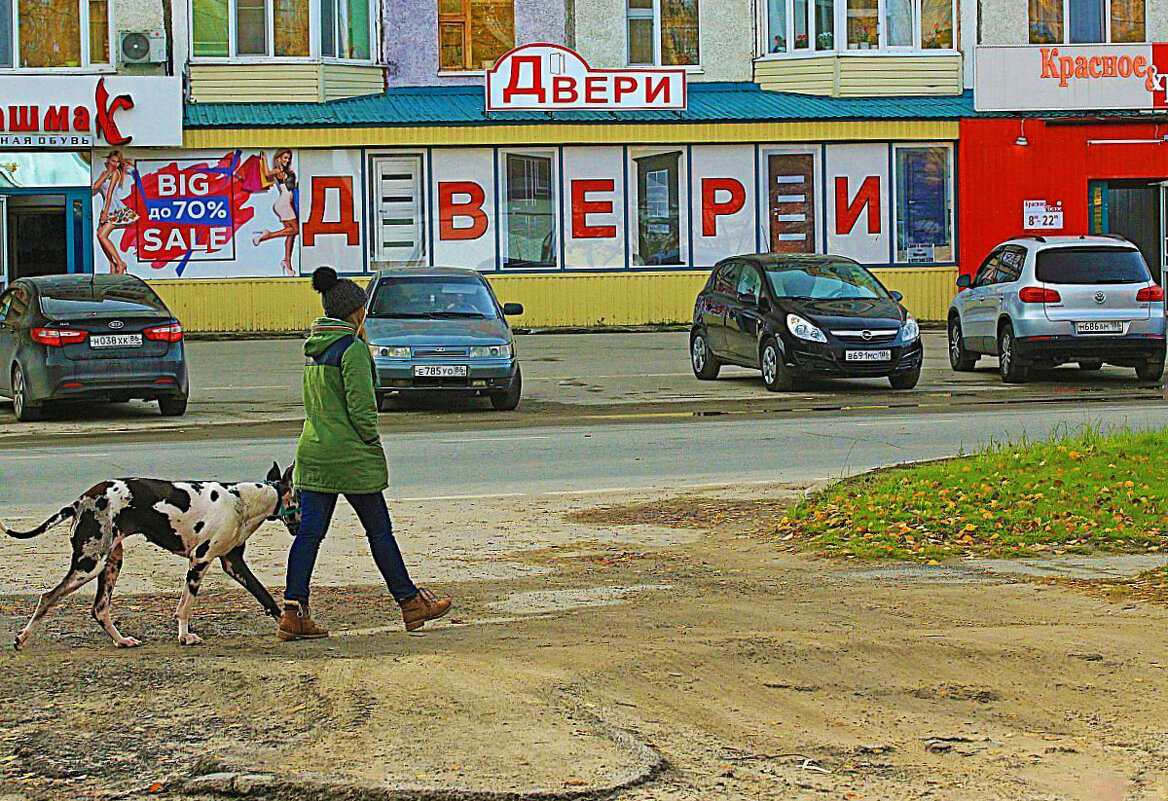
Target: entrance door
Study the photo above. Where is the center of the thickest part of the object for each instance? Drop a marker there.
(791, 189)
(38, 233)
(397, 197)
(1134, 212)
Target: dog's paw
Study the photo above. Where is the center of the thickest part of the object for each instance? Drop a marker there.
(127, 642)
(190, 638)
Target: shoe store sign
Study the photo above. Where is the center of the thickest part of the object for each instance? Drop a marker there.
(1072, 77)
(71, 111)
(549, 77)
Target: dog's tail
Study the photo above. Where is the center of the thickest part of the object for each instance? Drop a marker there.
(67, 513)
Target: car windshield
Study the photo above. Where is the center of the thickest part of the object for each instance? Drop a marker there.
(1091, 266)
(87, 297)
(432, 297)
(824, 281)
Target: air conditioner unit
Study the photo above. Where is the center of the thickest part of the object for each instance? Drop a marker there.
(142, 47)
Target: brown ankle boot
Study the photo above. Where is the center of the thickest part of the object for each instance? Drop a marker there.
(422, 607)
(296, 624)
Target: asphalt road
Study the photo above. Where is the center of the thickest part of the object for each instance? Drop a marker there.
(494, 462)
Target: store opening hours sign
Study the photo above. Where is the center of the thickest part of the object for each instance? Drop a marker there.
(1072, 77)
(550, 77)
(1042, 215)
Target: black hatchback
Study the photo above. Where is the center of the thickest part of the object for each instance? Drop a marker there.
(794, 315)
(86, 337)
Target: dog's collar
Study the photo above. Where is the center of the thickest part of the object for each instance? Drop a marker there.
(281, 510)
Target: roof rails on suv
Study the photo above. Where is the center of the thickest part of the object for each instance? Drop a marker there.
(1116, 237)
(1035, 237)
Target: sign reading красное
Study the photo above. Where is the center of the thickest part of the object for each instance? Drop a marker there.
(550, 77)
(81, 111)
(1072, 77)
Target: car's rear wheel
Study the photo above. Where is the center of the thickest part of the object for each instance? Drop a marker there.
(22, 404)
(1152, 371)
(1011, 366)
(705, 364)
(775, 374)
(961, 360)
(383, 401)
(1090, 366)
(172, 406)
(508, 401)
(905, 380)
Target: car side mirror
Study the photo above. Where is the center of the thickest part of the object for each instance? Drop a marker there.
(512, 309)
(896, 296)
(964, 281)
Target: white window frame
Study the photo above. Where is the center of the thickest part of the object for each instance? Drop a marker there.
(839, 40)
(314, 36)
(655, 14)
(894, 200)
(1106, 23)
(83, 21)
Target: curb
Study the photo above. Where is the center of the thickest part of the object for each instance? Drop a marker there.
(266, 787)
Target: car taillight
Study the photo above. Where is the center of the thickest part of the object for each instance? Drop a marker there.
(57, 337)
(1038, 294)
(164, 333)
(1150, 294)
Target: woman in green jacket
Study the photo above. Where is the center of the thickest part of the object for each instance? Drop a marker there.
(339, 452)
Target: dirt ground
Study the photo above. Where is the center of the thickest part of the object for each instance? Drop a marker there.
(613, 639)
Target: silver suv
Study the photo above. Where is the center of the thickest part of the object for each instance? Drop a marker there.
(1040, 302)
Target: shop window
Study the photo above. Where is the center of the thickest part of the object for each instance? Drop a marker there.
(473, 34)
(800, 25)
(1087, 21)
(529, 211)
(281, 29)
(924, 208)
(658, 210)
(37, 34)
(399, 233)
(663, 32)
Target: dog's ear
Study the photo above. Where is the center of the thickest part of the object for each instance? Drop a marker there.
(274, 473)
(287, 478)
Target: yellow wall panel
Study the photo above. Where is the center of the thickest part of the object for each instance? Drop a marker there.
(853, 75)
(550, 301)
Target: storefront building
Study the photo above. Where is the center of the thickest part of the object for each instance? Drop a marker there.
(1072, 134)
(76, 73)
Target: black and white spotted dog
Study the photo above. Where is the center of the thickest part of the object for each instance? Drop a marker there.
(200, 520)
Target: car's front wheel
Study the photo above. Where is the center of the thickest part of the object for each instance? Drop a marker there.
(172, 406)
(1011, 366)
(775, 374)
(960, 359)
(705, 364)
(22, 403)
(1152, 371)
(508, 401)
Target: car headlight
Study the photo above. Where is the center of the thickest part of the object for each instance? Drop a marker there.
(804, 330)
(910, 330)
(491, 352)
(389, 352)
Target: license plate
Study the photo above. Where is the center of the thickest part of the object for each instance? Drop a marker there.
(868, 356)
(1099, 327)
(115, 341)
(440, 371)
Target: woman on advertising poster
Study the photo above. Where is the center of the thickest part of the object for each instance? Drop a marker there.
(109, 184)
(284, 178)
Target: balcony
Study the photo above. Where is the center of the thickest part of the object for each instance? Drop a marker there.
(862, 73)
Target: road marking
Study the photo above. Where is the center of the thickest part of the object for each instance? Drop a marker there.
(491, 439)
(606, 490)
(242, 388)
(47, 456)
(615, 375)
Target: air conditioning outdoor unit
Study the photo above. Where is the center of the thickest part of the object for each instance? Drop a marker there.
(142, 47)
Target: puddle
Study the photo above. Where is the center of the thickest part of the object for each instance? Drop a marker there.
(543, 601)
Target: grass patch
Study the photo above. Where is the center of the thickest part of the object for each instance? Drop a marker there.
(1078, 493)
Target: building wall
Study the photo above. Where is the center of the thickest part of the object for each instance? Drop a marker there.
(411, 38)
(726, 28)
(1007, 22)
(997, 175)
(862, 76)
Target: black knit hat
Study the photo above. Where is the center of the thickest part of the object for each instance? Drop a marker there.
(340, 296)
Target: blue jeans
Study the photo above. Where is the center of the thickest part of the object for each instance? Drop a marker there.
(316, 512)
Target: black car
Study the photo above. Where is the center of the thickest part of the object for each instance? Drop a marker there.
(87, 337)
(794, 315)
